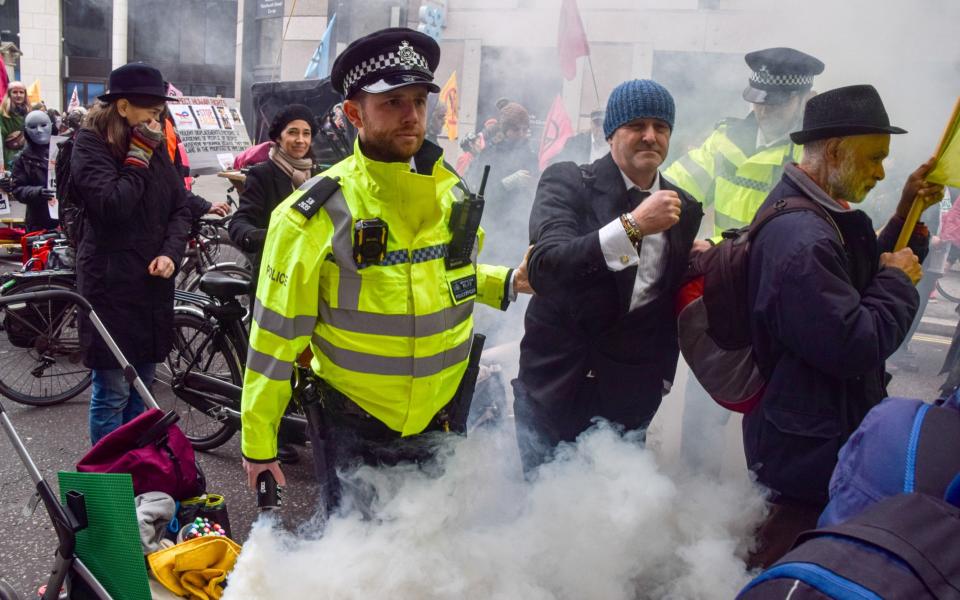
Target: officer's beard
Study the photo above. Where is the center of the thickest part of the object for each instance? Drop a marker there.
(388, 146)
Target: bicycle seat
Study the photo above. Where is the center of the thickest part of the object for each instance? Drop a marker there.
(223, 286)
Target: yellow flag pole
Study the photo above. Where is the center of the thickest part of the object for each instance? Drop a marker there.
(917, 207)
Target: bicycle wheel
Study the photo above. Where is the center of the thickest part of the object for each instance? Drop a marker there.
(41, 361)
(218, 358)
(7, 592)
(948, 286)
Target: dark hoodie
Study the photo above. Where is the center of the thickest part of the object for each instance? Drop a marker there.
(29, 180)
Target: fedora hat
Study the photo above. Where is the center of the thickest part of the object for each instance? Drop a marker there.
(846, 111)
(136, 79)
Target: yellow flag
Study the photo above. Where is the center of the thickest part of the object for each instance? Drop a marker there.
(33, 92)
(450, 96)
(947, 169)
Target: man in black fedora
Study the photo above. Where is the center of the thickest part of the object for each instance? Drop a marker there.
(829, 304)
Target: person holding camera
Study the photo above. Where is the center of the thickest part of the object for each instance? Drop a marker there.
(134, 232)
(30, 174)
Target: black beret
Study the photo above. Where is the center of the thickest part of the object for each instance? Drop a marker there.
(777, 73)
(291, 112)
(385, 60)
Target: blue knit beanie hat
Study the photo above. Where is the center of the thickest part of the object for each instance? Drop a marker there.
(640, 98)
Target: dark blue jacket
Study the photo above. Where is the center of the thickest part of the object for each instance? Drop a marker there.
(824, 318)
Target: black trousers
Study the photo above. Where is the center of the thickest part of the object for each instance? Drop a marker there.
(345, 437)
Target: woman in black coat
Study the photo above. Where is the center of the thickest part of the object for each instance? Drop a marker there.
(134, 233)
(269, 182)
(30, 173)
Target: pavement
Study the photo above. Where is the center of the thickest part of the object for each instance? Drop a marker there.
(57, 437)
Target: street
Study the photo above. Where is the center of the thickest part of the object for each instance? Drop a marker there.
(57, 437)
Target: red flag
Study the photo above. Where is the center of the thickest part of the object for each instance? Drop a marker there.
(4, 79)
(556, 131)
(572, 41)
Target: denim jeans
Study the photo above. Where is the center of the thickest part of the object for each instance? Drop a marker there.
(114, 401)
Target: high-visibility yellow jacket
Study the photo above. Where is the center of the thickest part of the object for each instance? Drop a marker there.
(393, 337)
(729, 171)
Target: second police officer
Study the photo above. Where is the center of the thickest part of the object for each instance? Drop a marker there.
(354, 268)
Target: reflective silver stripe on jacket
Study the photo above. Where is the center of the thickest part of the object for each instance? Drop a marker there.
(348, 291)
(698, 173)
(393, 365)
(286, 327)
(396, 325)
(268, 366)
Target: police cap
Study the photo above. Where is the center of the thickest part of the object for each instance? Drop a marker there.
(385, 60)
(778, 73)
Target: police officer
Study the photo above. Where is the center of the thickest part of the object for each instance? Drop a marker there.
(741, 161)
(354, 268)
(735, 169)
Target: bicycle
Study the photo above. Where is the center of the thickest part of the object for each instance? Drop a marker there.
(205, 368)
(40, 348)
(209, 249)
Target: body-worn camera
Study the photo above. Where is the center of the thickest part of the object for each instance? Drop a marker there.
(370, 241)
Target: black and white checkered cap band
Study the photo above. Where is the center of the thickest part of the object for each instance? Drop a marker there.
(765, 78)
(390, 60)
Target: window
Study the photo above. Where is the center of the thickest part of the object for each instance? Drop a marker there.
(86, 28)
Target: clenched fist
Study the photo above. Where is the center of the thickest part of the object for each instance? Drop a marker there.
(659, 212)
(906, 261)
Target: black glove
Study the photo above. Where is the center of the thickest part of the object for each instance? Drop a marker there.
(47, 193)
(6, 182)
(253, 240)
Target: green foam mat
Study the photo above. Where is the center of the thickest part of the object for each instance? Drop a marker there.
(110, 545)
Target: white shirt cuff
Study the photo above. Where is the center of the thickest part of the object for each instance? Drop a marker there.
(511, 289)
(618, 251)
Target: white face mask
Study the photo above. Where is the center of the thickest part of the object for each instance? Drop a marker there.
(38, 128)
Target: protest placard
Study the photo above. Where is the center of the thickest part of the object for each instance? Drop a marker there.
(209, 128)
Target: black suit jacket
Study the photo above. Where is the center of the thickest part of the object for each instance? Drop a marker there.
(579, 321)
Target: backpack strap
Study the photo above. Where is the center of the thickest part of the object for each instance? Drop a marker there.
(919, 529)
(791, 204)
(317, 191)
(936, 449)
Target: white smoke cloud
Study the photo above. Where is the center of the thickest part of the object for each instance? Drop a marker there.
(603, 521)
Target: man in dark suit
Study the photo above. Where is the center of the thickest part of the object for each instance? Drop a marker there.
(611, 243)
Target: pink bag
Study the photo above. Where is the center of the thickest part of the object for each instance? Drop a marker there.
(155, 453)
(252, 155)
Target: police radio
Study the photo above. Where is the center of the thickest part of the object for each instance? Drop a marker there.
(464, 222)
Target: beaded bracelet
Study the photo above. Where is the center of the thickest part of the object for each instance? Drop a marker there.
(632, 229)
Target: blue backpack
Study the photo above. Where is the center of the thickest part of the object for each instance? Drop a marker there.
(905, 546)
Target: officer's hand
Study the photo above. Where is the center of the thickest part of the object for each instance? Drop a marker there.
(917, 186)
(161, 266)
(254, 469)
(521, 281)
(221, 209)
(47, 193)
(699, 246)
(659, 212)
(906, 261)
(6, 182)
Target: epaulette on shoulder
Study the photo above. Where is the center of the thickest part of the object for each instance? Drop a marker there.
(316, 192)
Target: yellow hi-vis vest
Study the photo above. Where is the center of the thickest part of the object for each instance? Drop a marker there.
(736, 181)
(393, 337)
